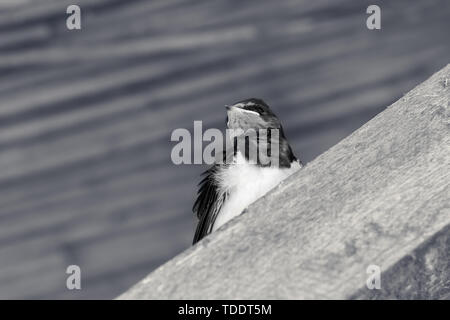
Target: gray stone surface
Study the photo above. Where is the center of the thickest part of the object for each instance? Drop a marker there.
(423, 274)
(380, 196)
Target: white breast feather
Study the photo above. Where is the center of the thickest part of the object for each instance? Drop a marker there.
(245, 183)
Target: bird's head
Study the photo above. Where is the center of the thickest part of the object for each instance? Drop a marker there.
(251, 114)
(255, 115)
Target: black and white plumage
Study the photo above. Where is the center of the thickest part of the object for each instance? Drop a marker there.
(229, 187)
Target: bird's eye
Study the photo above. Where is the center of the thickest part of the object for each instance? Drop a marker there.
(258, 109)
(254, 108)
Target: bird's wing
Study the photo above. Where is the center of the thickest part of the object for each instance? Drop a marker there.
(210, 196)
(208, 204)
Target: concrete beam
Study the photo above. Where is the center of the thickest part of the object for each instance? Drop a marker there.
(379, 197)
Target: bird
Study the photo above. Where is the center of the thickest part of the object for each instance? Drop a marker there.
(230, 186)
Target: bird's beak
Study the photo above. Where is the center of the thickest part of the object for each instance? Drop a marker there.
(234, 106)
(240, 107)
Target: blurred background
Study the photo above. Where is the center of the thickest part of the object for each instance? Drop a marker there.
(86, 116)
